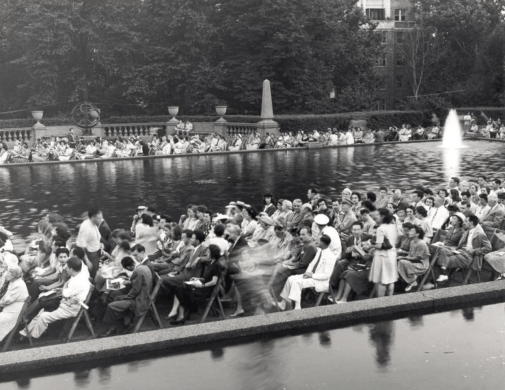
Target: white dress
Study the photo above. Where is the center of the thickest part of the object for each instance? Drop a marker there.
(12, 303)
(384, 269)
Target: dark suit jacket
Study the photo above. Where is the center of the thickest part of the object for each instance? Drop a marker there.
(194, 267)
(480, 244)
(142, 285)
(350, 242)
(236, 251)
(306, 255)
(184, 258)
(150, 265)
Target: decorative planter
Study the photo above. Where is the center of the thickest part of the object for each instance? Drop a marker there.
(37, 115)
(221, 111)
(173, 110)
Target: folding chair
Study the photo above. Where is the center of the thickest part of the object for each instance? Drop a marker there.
(82, 311)
(429, 271)
(497, 243)
(214, 296)
(322, 294)
(152, 305)
(21, 320)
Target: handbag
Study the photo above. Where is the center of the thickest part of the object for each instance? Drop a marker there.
(386, 245)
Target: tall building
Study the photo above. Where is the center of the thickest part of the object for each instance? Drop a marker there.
(394, 18)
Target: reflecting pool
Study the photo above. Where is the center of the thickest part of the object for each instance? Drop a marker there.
(463, 349)
(169, 184)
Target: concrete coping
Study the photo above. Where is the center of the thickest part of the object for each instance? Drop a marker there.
(185, 337)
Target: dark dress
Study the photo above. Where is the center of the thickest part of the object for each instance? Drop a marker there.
(189, 296)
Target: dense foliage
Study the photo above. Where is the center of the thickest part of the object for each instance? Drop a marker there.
(145, 55)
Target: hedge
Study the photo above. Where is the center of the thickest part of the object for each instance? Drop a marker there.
(376, 119)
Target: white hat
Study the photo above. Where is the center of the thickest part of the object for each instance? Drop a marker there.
(321, 219)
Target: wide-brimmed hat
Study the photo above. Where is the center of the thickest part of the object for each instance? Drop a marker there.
(347, 201)
(461, 216)
(267, 220)
(141, 208)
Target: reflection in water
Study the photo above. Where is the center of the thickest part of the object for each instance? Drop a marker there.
(81, 378)
(382, 337)
(217, 353)
(104, 375)
(416, 321)
(325, 339)
(23, 383)
(452, 163)
(468, 313)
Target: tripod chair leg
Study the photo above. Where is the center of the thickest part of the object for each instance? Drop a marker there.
(319, 299)
(74, 325)
(275, 300)
(139, 323)
(157, 316)
(221, 307)
(89, 324)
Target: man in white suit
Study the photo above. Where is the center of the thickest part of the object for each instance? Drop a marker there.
(317, 275)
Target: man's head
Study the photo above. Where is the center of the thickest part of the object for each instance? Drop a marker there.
(95, 216)
(364, 214)
(280, 231)
(371, 196)
(417, 196)
(496, 184)
(186, 236)
(501, 197)
(297, 205)
(311, 193)
(492, 200)
(357, 229)
(452, 209)
(322, 205)
(454, 182)
(397, 194)
(335, 205)
(346, 205)
(198, 237)
(324, 242)
(471, 221)
(305, 235)
(74, 266)
(482, 180)
(128, 263)
(465, 196)
(321, 220)
(139, 252)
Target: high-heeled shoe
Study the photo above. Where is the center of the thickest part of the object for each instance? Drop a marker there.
(178, 322)
(170, 318)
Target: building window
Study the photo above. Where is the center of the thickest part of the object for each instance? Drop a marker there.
(399, 37)
(379, 105)
(376, 13)
(400, 15)
(399, 81)
(381, 60)
(399, 59)
(384, 36)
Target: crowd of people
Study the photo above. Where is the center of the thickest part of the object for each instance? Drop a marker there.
(184, 141)
(261, 258)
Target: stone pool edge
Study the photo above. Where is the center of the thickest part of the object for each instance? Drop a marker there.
(199, 334)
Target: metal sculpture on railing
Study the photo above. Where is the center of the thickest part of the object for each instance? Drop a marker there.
(86, 116)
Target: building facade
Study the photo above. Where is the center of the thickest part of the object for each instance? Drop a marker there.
(394, 18)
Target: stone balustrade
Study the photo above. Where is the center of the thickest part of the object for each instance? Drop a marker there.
(129, 129)
(10, 136)
(240, 128)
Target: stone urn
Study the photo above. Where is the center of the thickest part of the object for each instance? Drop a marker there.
(173, 110)
(221, 111)
(37, 115)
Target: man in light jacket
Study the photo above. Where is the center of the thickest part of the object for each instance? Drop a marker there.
(317, 275)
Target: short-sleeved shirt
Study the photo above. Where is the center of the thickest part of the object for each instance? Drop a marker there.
(211, 270)
(420, 249)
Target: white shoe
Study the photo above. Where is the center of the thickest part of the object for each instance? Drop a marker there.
(341, 301)
(331, 299)
(442, 278)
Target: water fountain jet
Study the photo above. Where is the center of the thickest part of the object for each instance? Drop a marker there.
(453, 138)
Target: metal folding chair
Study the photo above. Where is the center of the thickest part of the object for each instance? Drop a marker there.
(429, 271)
(82, 312)
(152, 306)
(214, 297)
(22, 320)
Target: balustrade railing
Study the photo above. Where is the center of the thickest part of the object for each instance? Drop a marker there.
(240, 128)
(129, 129)
(10, 136)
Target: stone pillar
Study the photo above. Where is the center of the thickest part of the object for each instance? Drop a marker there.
(267, 124)
(220, 128)
(39, 132)
(98, 131)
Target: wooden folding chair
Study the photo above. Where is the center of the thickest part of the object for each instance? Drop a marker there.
(430, 271)
(214, 296)
(322, 294)
(87, 319)
(22, 320)
(152, 305)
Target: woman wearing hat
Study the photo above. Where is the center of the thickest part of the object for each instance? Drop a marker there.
(454, 232)
(13, 294)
